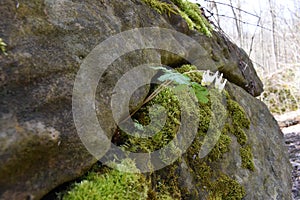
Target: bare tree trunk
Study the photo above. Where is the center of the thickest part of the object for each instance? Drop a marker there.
(213, 6)
(237, 23)
(285, 49)
(274, 28)
(262, 42)
(239, 14)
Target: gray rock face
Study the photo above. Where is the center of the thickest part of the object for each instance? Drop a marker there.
(271, 178)
(47, 42)
(292, 140)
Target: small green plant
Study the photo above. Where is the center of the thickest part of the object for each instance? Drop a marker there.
(182, 82)
(3, 46)
(182, 79)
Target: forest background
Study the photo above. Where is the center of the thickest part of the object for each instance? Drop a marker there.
(269, 31)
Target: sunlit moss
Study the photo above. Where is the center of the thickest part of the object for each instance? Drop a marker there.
(3, 46)
(113, 184)
(193, 16)
(190, 12)
(161, 7)
(186, 68)
(210, 115)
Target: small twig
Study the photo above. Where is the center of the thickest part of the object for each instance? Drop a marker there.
(226, 4)
(192, 71)
(149, 98)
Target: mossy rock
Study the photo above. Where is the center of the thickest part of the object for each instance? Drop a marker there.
(190, 12)
(209, 181)
(37, 79)
(219, 175)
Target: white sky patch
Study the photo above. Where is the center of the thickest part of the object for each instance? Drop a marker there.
(261, 8)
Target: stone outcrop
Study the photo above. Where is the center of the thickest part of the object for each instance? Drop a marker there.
(47, 42)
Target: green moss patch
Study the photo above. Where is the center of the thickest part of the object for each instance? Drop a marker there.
(3, 46)
(169, 102)
(110, 184)
(211, 182)
(161, 7)
(247, 157)
(190, 12)
(214, 183)
(193, 16)
(225, 188)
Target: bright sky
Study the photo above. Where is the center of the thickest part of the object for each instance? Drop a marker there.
(256, 7)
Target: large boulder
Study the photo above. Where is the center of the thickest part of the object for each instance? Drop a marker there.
(47, 42)
(271, 178)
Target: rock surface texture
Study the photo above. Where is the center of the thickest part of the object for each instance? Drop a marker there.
(292, 140)
(272, 167)
(48, 41)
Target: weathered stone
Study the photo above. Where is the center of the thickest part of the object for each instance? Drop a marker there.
(271, 178)
(47, 42)
(292, 140)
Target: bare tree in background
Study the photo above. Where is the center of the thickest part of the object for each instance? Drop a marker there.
(237, 18)
(274, 29)
(275, 43)
(213, 6)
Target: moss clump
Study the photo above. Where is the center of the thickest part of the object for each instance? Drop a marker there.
(167, 183)
(113, 184)
(239, 117)
(239, 122)
(219, 186)
(220, 148)
(193, 16)
(225, 188)
(186, 68)
(240, 135)
(190, 12)
(170, 103)
(214, 182)
(247, 157)
(192, 72)
(3, 46)
(161, 7)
